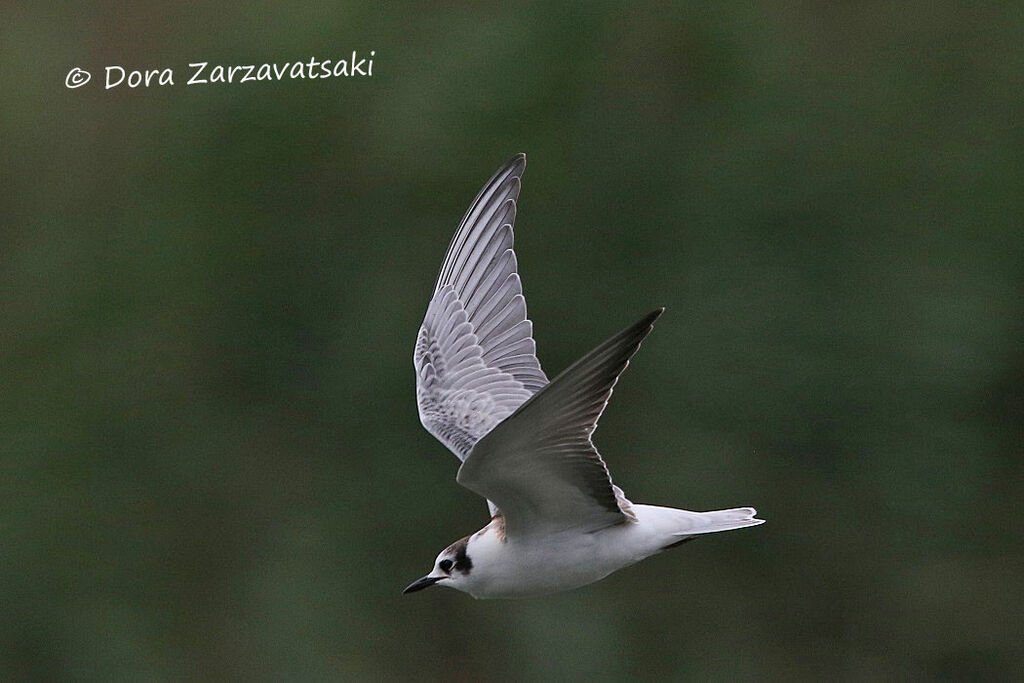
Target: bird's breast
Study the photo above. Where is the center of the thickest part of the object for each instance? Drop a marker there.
(547, 565)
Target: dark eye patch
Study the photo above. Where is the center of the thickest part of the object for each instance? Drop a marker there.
(445, 565)
(462, 561)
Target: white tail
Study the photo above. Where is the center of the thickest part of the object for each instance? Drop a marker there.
(717, 520)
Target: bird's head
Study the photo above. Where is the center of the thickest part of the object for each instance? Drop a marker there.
(451, 568)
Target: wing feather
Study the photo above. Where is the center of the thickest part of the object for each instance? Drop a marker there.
(475, 356)
(540, 466)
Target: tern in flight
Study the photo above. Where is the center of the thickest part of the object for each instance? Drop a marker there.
(557, 520)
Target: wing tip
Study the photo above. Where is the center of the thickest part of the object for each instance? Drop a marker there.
(647, 322)
(517, 164)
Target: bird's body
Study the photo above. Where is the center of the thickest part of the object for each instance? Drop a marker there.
(524, 442)
(505, 567)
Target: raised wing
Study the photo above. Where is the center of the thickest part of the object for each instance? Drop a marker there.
(475, 356)
(540, 466)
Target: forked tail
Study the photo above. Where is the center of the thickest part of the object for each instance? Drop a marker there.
(717, 520)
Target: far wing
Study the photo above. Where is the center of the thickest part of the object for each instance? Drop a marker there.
(475, 356)
(540, 466)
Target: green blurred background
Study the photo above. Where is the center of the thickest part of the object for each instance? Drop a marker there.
(212, 466)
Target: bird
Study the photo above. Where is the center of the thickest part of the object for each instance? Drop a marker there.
(557, 520)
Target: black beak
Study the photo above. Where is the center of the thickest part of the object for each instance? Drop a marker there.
(420, 584)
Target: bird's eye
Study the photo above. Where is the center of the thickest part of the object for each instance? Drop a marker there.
(445, 565)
